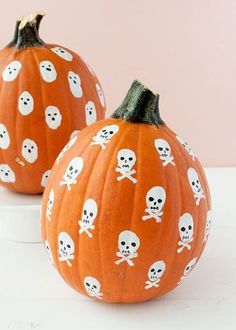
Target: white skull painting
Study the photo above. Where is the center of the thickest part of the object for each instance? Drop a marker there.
(53, 117)
(25, 103)
(48, 71)
(75, 84)
(100, 95)
(104, 135)
(67, 147)
(4, 137)
(29, 150)
(188, 269)
(50, 203)
(73, 170)
(90, 113)
(186, 227)
(155, 200)
(126, 160)
(62, 53)
(155, 273)
(48, 250)
(208, 225)
(128, 245)
(74, 134)
(195, 184)
(164, 151)
(186, 146)
(11, 71)
(6, 174)
(89, 214)
(66, 248)
(45, 178)
(93, 287)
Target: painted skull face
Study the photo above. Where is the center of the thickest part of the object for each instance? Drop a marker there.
(67, 147)
(107, 132)
(189, 267)
(126, 159)
(208, 224)
(66, 245)
(89, 212)
(49, 251)
(62, 53)
(91, 285)
(6, 174)
(29, 150)
(50, 200)
(194, 181)
(75, 84)
(4, 137)
(11, 71)
(53, 117)
(163, 148)
(74, 168)
(100, 95)
(155, 199)
(48, 71)
(186, 146)
(90, 113)
(156, 270)
(25, 103)
(186, 227)
(45, 178)
(128, 242)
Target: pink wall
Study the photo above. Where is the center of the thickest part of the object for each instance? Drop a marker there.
(185, 50)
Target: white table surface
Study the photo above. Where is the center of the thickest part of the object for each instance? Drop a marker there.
(33, 296)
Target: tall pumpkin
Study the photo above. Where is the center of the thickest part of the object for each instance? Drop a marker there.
(126, 213)
(48, 93)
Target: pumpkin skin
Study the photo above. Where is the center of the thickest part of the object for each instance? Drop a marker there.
(94, 261)
(40, 109)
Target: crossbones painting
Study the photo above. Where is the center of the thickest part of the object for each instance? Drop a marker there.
(73, 170)
(155, 273)
(89, 214)
(104, 135)
(186, 146)
(155, 200)
(188, 269)
(186, 227)
(126, 159)
(50, 204)
(93, 287)
(195, 184)
(128, 245)
(164, 151)
(208, 225)
(66, 248)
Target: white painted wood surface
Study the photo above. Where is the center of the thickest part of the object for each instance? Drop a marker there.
(33, 296)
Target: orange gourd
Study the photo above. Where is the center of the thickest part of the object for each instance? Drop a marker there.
(127, 211)
(47, 94)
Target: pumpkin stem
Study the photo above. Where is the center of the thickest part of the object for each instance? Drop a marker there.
(140, 105)
(26, 32)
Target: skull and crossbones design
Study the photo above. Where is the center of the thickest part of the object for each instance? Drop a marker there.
(73, 170)
(155, 273)
(208, 225)
(67, 147)
(104, 135)
(126, 160)
(66, 248)
(155, 200)
(49, 251)
(164, 151)
(93, 287)
(186, 227)
(89, 214)
(128, 245)
(195, 184)
(186, 146)
(50, 203)
(188, 269)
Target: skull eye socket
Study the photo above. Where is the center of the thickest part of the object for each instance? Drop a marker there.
(159, 200)
(151, 199)
(111, 132)
(193, 183)
(68, 245)
(122, 158)
(167, 149)
(189, 227)
(103, 130)
(182, 229)
(133, 244)
(76, 171)
(71, 168)
(87, 284)
(159, 270)
(95, 287)
(130, 158)
(122, 243)
(91, 214)
(187, 268)
(197, 181)
(152, 270)
(160, 148)
(85, 212)
(61, 242)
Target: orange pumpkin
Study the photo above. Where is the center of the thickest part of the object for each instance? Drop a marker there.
(126, 213)
(47, 94)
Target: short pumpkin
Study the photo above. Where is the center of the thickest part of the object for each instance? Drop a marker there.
(127, 212)
(48, 93)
